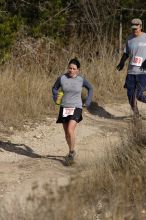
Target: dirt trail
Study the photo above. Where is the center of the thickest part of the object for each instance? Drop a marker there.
(37, 153)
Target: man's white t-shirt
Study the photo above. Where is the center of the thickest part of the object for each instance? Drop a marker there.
(136, 49)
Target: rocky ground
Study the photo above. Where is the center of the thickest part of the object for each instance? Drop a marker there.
(35, 154)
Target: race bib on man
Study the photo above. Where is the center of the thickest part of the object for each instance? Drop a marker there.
(136, 61)
(68, 111)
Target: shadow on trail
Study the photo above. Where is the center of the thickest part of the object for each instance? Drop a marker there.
(95, 109)
(24, 150)
(56, 158)
(21, 149)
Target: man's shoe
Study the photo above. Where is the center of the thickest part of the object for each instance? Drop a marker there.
(137, 115)
(136, 112)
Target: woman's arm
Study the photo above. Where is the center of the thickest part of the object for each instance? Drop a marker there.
(88, 86)
(55, 88)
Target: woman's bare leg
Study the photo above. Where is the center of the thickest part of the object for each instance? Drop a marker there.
(69, 129)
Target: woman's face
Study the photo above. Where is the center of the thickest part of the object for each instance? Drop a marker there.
(73, 70)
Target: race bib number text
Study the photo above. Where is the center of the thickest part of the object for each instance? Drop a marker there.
(68, 111)
(136, 61)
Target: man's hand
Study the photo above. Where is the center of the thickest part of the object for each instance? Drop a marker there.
(143, 66)
(120, 66)
(122, 62)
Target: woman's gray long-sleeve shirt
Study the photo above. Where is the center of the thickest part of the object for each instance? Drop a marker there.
(72, 89)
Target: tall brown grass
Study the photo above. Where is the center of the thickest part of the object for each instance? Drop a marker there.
(26, 79)
(26, 82)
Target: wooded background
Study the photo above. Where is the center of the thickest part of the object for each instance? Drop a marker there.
(61, 20)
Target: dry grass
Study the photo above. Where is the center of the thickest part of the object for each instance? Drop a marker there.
(111, 188)
(26, 80)
(22, 96)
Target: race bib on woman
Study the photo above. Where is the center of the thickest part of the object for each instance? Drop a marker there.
(136, 61)
(68, 111)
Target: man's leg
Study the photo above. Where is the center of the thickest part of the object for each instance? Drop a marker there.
(130, 85)
(140, 88)
(131, 93)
